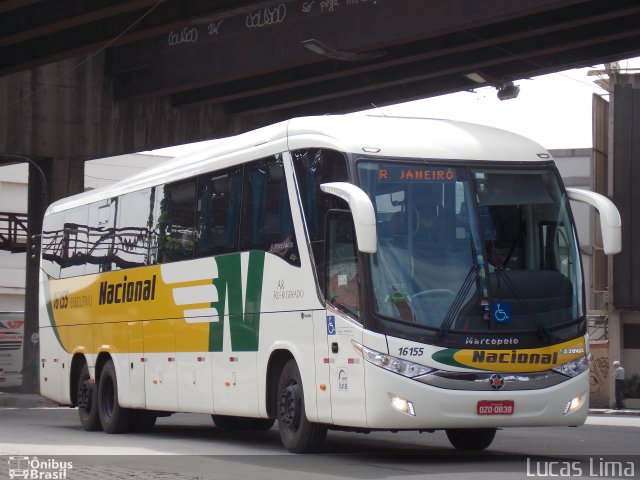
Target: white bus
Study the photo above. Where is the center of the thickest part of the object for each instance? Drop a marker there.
(340, 272)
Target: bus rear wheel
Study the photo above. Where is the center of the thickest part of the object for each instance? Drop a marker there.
(113, 418)
(298, 435)
(471, 438)
(88, 401)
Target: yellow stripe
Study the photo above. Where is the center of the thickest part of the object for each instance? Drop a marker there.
(89, 322)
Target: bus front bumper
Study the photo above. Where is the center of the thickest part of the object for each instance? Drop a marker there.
(397, 402)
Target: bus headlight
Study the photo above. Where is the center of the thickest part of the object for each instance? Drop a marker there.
(393, 364)
(402, 405)
(574, 404)
(574, 368)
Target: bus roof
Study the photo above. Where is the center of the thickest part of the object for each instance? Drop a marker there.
(370, 133)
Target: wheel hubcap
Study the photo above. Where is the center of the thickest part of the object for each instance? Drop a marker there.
(290, 405)
(84, 395)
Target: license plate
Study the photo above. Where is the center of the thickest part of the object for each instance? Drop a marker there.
(495, 407)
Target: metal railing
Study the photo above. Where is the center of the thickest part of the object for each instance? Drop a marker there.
(13, 232)
(598, 325)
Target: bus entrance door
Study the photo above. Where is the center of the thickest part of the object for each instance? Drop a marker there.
(346, 373)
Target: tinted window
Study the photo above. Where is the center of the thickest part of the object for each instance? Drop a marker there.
(74, 242)
(314, 167)
(132, 233)
(52, 237)
(102, 217)
(218, 212)
(175, 220)
(266, 212)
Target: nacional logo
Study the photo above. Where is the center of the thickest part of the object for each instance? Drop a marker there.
(513, 360)
(127, 291)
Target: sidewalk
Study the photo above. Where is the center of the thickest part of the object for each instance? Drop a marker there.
(613, 411)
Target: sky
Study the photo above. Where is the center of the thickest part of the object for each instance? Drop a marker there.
(554, 110)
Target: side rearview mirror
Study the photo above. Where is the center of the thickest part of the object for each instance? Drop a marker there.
(364, 216)
(610, 222)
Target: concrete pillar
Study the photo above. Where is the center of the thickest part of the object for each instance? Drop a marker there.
(37, 202)
(64, 177)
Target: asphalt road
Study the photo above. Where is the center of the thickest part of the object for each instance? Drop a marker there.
(189, 446)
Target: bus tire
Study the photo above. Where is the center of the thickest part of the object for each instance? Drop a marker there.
(228, 422)
(88, 401)
(298, 435)
(471, 438)
(113, 418)
(142, 421)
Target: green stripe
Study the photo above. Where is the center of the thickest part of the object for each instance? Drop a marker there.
(447, 357)
(244, 324)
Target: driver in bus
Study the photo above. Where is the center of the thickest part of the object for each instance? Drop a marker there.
(497, 254)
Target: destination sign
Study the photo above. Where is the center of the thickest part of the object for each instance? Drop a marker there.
(405, 173)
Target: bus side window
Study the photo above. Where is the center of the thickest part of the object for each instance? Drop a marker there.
(175, 220)
(266, 213)
(314, 167)
(218, 212)
(342, 287)
(131, 236)
(102, 218)
(52, 242)
(74, 242)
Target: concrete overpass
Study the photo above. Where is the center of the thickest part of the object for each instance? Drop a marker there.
(81, 80)
(87, 79)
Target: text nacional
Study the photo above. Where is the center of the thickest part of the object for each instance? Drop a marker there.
(127, 291)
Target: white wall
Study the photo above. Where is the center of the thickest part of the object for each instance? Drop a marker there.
(13, 199)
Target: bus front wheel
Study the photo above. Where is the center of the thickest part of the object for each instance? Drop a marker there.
(471, 438)
(88, 401)
(113, 418)
(298, 434)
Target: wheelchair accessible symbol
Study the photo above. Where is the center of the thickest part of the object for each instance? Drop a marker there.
(331, 325)
(501, 312)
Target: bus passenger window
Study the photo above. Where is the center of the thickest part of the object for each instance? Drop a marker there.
(218, 212)
(342, 276)
(52, 243)
(266, 213)
(102, 217)
(74, 242)
(175, 220)
(132, 233)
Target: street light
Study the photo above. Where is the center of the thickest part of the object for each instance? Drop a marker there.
(507, 91)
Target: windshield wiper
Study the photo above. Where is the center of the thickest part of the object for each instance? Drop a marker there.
(458, 301)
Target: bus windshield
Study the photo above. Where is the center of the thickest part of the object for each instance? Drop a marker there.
(472, 249)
